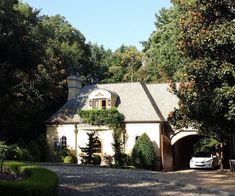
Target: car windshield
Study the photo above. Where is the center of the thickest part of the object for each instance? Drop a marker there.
(202, 154)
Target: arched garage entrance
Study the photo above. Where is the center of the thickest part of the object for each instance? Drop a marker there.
(183, 143)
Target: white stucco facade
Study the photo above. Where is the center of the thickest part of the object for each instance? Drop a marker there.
(133, 130)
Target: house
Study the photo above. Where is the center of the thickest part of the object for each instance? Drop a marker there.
(145, 107)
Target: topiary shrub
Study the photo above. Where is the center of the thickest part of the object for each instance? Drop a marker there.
(143, 152)
(96, 160)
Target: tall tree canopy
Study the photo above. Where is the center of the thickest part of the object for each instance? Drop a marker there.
(37, 53)
(207, 88)
(124, 64)
(163, 58)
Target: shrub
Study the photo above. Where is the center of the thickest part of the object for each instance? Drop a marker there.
(21, 143)
(62, 153)
(40, 181)
(143, 152)
(34, 150)
(68, 159)
(43, 147)
(108, 159)
(96, 160)
(72, 153)
(14, 152)
(26, 156)
(3, 151)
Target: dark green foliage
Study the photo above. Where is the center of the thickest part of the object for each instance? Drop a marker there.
(40, 181)
(206, 145)
(26, 156)
(14, 152)
(206, 93)
(43, 147)
(113, 119)
(61, 153)
(96, 160)
(21, 143)
(34, 150)
(3, 152)
(163, 59)
(89, 149)
(143, 152)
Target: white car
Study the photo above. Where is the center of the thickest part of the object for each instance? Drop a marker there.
(204, 160)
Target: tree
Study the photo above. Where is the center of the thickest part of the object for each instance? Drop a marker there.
(207, 88)
(161, 50)
(89, 149)
(124, 64)
(21, 50)
(101, 60)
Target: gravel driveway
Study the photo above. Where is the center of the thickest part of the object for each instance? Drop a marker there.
(107, 181)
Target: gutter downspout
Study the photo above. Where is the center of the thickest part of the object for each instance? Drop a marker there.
(76, 139)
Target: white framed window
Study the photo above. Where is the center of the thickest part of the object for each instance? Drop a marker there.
(98, 103)
(64, 142)
(97, 146)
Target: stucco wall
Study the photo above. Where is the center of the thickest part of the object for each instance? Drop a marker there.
(132, 131)
(136, 129)
(60, 131)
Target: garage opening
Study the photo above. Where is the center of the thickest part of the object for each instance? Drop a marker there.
(183, 149)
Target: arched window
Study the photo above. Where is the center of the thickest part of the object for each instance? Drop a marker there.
(97, 146)
(64, 142)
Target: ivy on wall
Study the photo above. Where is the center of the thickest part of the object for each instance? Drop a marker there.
(111, 118)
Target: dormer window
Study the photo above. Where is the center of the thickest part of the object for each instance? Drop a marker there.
(99, 103)
(102, 99)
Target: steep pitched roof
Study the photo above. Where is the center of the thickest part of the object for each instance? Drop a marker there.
(165, 100)
(137, 102)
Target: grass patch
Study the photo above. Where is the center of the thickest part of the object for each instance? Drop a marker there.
(39, 181)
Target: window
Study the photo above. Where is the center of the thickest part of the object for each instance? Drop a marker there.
(63, 142)
(98, 103)
(136, 138)
(103, 104)
(97, 146)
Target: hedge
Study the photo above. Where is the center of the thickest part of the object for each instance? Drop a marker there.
(39, 181)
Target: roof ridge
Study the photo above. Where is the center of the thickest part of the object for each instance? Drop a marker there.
(153, 103)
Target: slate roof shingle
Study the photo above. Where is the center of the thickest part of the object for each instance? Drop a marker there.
(137, 101)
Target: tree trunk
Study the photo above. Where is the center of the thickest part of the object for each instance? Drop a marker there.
(222, 154)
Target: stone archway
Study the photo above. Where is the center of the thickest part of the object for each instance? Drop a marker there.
(183, 149)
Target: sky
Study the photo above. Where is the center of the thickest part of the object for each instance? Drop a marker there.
(107, 22)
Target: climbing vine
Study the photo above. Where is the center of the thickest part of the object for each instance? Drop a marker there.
(111, 118)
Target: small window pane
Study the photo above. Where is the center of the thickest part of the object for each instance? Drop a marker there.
(63, 142)
(103, 104)
(97, 146)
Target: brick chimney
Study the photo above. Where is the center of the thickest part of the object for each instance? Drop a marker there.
(74, 86)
